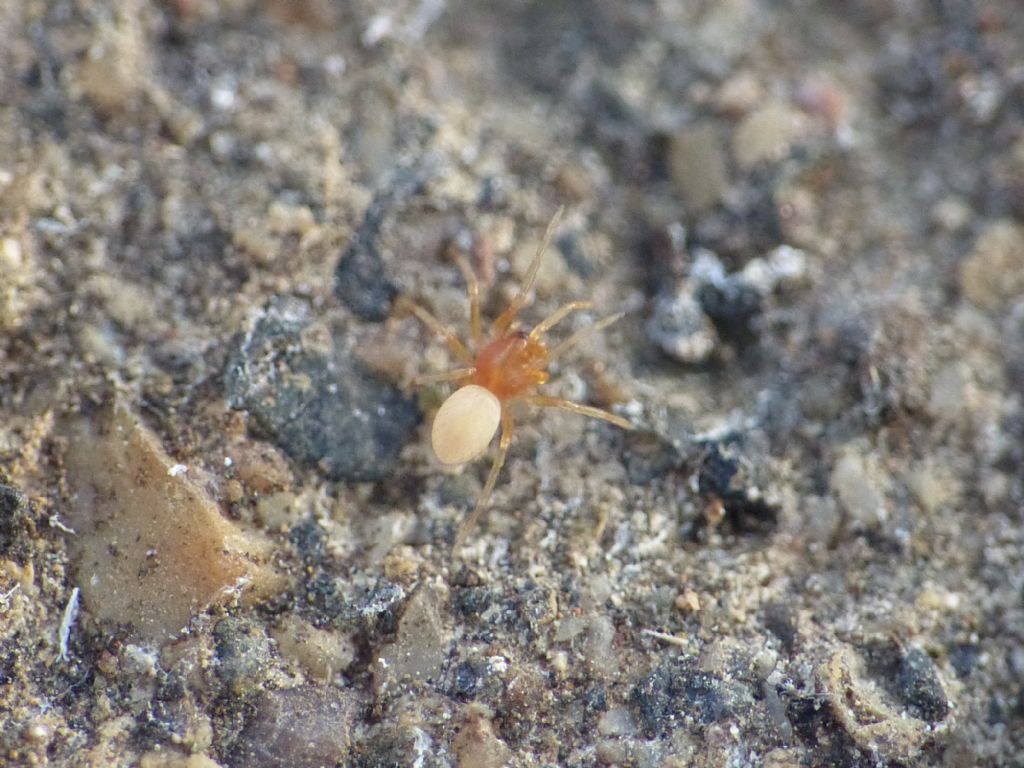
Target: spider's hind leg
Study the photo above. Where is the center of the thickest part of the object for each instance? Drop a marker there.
(499, 461)
(545, 401)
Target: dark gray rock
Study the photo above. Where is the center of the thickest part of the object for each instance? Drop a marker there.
(908, 675)
(468, 678)
(361, 279)
(473, 601)
(323, 408)
(675, 691)
(733, 306)
(918, 686)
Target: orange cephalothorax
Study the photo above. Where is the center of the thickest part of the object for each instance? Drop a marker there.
(510, 365)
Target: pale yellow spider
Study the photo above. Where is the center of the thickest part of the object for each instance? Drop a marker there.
(502, 368)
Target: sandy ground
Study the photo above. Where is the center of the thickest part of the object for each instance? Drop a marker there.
(224, 539)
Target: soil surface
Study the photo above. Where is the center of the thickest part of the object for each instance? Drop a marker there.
(224, 538)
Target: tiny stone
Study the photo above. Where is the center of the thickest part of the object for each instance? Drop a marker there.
(674, 690)
(765, 135)
(243, 655)
(783, 267)
(260, 467)
(617, 721)
(284, 218)
(298, 728)
(152, 548)
(820, 519)
(321, 653)
(680, 328)
(933, 485)
(688, 601)
(697, 165)
(952, 391)
(739, 94)
(597, 647)
(361, 279)
(993, 273)
(420, 647)
(965, 657)
(363, 285)
(859, 483)
(477, 746)
(733, 305)
(918, 685)
(951, 214)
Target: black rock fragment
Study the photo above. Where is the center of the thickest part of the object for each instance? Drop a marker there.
(380, 609)
(309, 540)
(781, 620)
(909, 676)
(320, 590)
(733, 306)
(16, 524)
(474, 680)
(323, 408)
(717, 470)
(361, 280)
(467, 679)
(472, 601)
(917, 685)
(674, 690)
(722, 477)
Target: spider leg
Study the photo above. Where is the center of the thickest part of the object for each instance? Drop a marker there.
(586, 410)
(557, 316)
(435, 378)
(473, 289)
(499, 461)
(457, 347)
(506, 318)
(577, 337)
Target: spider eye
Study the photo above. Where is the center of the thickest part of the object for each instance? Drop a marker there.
(465, 424)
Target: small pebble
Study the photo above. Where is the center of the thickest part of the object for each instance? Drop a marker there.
(697, 165)
(300, 728)
(421, 644)
(992, 275)
(765, 135)
(680, 328)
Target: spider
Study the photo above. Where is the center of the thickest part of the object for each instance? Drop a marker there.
(503, 367)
